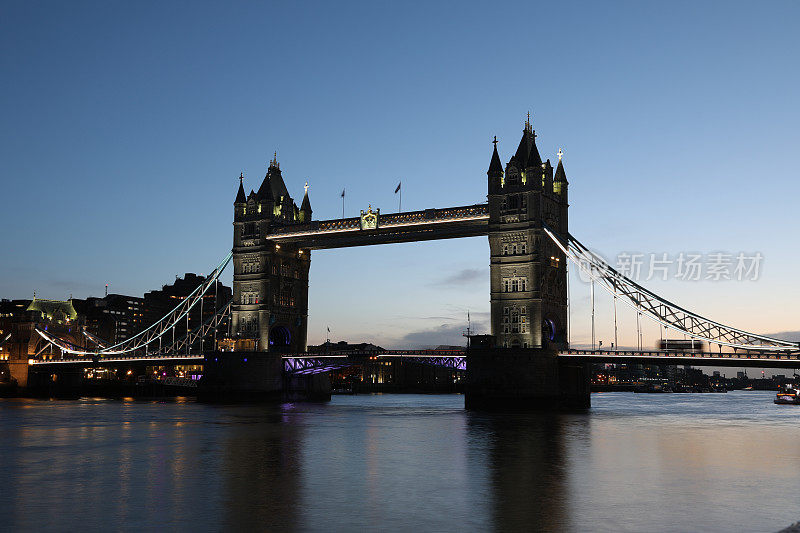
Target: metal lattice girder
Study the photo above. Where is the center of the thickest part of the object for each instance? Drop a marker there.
(316, 365)
(454, 362)
(188, 341)
(660, 310)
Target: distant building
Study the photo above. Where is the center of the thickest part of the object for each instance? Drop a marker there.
(377, 374)
(19, 320)
(53, 311)
(343, 346)
(113, 318)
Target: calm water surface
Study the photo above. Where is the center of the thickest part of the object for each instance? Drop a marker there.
(635, 462)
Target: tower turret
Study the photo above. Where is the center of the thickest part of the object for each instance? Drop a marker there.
(533, 169)
(277, 186)
(305, 207)
(495, 172)
(240, 197)
(560, 189)
(560, 182)
(240, 203)
(520, 158)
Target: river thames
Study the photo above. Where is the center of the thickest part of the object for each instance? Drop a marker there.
(635, 462)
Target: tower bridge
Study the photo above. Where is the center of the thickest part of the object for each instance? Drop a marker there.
(273, 240)
(526, 359)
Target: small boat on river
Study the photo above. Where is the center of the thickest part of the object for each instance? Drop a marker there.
(788, 395)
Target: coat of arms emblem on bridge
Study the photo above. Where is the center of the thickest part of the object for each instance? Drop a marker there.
(369, 219)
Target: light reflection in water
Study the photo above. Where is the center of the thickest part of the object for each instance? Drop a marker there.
(401, 462)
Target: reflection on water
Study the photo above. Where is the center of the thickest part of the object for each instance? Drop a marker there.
(528, 466)
(401, 462)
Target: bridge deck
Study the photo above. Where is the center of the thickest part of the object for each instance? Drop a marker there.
(457, 358)
(430, 224)
(751, 359)
(192, 359)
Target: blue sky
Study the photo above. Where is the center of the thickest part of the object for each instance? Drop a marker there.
(126, 124)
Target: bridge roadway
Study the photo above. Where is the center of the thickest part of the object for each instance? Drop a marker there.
(408, 226)
(754, 359)
(306, 363)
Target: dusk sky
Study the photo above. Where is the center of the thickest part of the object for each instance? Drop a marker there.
(126, 125)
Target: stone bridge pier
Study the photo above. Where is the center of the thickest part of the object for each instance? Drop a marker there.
(513, 379)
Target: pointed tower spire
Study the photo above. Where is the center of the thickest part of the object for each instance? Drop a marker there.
(534, 159)
(521, 156)
(561, 176)
(495, 172)
(495, 166)
(305, 207)
(274, 181)
(240, 197)
(265, 191)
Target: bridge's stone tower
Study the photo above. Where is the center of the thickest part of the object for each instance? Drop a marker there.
(270, 281)
(528, 271)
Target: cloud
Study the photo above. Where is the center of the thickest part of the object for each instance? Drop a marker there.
(462, 277)
(437, 318)
(444, 334)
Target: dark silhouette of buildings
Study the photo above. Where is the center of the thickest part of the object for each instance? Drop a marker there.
(113, 318)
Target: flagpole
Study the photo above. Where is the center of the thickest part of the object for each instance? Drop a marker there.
(399, 189)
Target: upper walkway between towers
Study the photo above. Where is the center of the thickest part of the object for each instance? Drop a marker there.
(373, 227)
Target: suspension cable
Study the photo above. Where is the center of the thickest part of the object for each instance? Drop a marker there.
(666, 313)
(154, 331)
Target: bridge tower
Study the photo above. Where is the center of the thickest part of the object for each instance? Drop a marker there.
(270, 281)
(528, 271)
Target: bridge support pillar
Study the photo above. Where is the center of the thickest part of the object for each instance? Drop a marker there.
(524, 379)
(232, 376)
(258, 376)
(62, 382)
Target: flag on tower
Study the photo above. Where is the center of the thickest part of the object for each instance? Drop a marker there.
(342, 193)
(398, 187)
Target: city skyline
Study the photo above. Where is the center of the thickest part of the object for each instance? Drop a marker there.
(148, 194)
